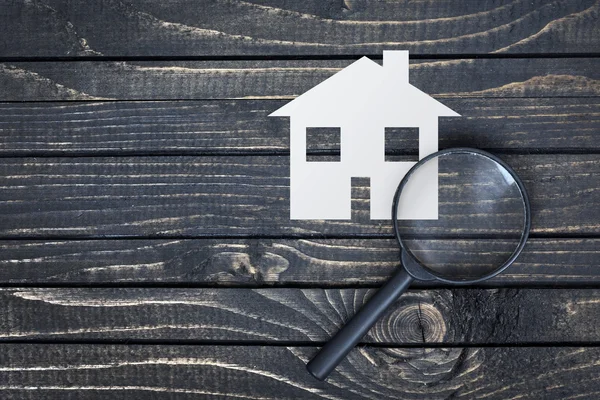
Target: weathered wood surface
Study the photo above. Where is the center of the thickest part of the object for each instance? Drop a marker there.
(203, 186)
(225, 127)
(52, 28)
(189, 372)
(245, 195)
(196, 80)
(459, 316)
(263, 262)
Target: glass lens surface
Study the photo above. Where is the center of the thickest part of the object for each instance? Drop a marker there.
(479, 221)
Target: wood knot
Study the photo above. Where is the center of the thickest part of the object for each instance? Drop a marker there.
(415, 319)
(225, 265)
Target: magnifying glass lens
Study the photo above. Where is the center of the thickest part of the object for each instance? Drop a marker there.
(468, 228)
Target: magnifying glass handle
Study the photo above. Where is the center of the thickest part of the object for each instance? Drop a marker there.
(346, 338)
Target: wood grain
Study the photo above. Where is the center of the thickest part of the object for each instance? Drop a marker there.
(53, 28)
(225, 127)
(245, 195)
(458, 316)
(126, 91)
(166, 372)
(263, 262)
(196, 80)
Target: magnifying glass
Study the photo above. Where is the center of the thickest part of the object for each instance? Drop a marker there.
(484, 218)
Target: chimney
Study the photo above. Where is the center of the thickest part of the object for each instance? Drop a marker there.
(395, 64)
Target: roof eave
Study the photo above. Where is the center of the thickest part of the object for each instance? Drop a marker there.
(281, 112)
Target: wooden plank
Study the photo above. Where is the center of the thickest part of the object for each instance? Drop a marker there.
(245, 195)
(152, 80)
(193, 127)
(164, 372)
(456, 317)
(269, 27)
(259, 262)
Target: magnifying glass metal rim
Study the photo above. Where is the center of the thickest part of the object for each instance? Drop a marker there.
(524, 196)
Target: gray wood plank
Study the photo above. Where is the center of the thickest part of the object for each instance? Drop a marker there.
(152, 80)
(166, 372)
(245, 195)
(196, 127)
(267, 27)
(456, 317)
(260, 262)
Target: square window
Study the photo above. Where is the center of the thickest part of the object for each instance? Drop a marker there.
(323, 144)
(401, 144)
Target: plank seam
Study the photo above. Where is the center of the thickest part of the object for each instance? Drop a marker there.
(316, 236)
(255, 343)
(303, 57)
(285, 153)
(283, 99)
(419, 286)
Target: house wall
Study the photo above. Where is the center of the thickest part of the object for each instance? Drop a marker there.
(318, 190)
(322, 190)
(428, 137)
(362, 149)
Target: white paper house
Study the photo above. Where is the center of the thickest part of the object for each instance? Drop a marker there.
(362, 100)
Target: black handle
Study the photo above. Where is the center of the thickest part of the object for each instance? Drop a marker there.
(340, 345)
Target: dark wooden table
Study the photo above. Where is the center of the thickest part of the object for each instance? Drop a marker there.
(146, 248)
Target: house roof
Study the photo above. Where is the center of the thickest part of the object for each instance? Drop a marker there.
(366, 86)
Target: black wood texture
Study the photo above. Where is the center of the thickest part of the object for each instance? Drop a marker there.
(455, 317)
(267, 79)
(265, 262)
(52, 28)
(245, 195)
(256, 372)
(136, 151)
(242, 126)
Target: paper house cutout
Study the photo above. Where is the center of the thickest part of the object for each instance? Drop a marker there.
(362, 100)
